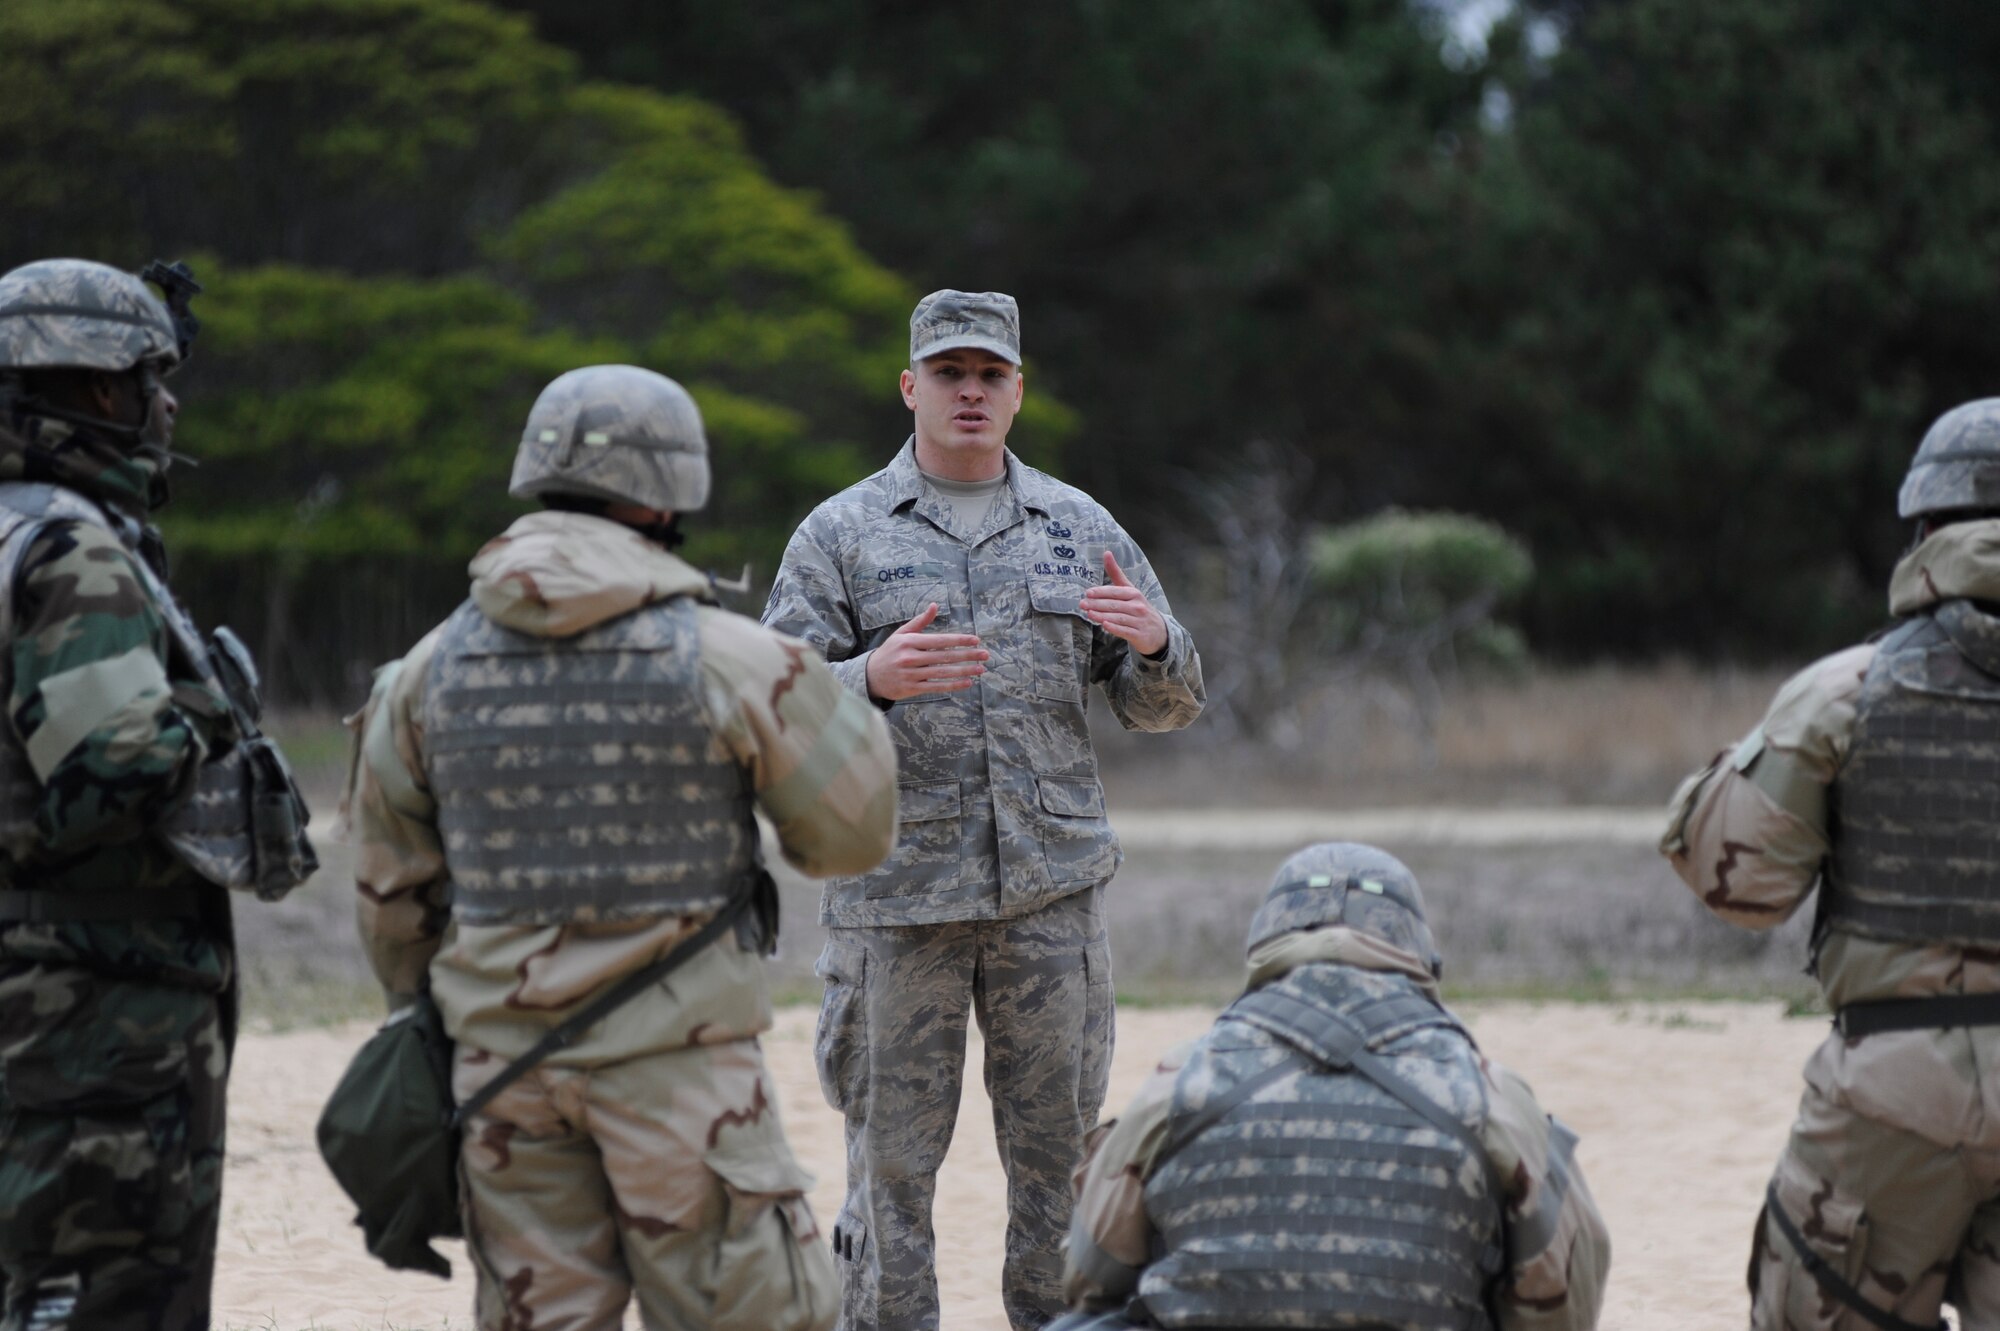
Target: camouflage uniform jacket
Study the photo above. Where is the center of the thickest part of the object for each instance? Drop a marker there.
(1749, 833)
(1001, 808)
(114, 723)
(820, 761)
(1558, 1251)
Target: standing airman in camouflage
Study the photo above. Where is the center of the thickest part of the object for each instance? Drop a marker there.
(123, 817)
(976, 600)
(1875, 776)
(552, 790)
(1335, 1152)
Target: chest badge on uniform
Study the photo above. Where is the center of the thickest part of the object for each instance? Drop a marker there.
(1060, 532)
(1065, 552)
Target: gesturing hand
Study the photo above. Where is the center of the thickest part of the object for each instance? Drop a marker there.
(1123, 611)
(911, 661)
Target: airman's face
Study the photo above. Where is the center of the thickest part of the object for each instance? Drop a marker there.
(964, 402)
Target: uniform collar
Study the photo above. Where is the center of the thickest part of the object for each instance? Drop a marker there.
(906, 484)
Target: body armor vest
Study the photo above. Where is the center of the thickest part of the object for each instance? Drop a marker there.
(243, 824)
(1324, 1199)
(573, 776)
(1916, 806)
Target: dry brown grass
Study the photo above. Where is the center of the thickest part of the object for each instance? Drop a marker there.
(1588, 920)
(1595, 735)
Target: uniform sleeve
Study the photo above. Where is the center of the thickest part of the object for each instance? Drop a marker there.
(1110, 1235)
(1748, 833)
(399, 868)
(821, 759)
(1558, 1251)
(1148, 694)
(112, 739)
(809, 602)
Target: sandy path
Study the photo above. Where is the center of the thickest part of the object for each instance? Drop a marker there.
(1682, 1109)
(1430, 825)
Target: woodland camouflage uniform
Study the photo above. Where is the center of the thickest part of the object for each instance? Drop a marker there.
(1891, 1177)
(115, 1031)
(1258, 1179)
(991, 900)
(647, 1158)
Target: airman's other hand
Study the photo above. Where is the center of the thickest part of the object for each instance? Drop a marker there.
(1123, 611)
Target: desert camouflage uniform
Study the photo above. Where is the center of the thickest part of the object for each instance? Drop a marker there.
(1892, 1173)
(114, 1034)
(647, 1157)
(991, 900)
(1555, 1252)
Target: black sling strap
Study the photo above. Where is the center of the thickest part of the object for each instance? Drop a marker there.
(561, 1036)
(1830, 1281)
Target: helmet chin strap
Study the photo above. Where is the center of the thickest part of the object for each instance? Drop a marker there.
(147, 441)
(666, 533)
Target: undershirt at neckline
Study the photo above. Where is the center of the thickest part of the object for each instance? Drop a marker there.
(970, 501)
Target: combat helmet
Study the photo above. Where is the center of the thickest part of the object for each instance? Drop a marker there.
(614, 432)
(76, 314)
(1346, 883)
(1957, 466)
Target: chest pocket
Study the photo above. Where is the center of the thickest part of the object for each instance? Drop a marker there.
(1061, 638)
(887, 598)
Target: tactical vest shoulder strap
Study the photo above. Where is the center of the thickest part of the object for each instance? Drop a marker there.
(25, 506)
(1338, 1042)
(1347, 1040)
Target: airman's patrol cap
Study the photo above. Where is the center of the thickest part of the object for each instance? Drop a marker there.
(947, 320)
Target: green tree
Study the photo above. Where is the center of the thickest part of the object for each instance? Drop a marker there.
(1730, 259)
(1217, 215)
(416, 214)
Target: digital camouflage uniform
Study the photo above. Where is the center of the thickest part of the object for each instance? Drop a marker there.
(990, 903)
(1892, 1173)
(1259, 1180)
(115, 1031)
(647, 1158)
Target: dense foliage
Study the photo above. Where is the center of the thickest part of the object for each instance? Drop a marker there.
(1671, 287)
(414, 215)
(1668, 288)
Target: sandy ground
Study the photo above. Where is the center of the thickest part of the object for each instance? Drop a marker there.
(1682, 1109)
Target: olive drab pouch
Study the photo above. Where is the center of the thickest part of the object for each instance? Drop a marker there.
(390, 1131)
(390, 1136)
(244, 826)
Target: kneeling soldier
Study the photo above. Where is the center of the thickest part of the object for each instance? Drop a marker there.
(1335, 1152)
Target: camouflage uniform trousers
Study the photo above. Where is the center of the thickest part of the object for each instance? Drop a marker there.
(111, 1149)
(891, 1051)
(665, 1176)
(1908, 1223)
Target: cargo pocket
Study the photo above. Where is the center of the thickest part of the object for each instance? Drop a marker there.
(1834, 1230)
(94, 1160)
(929, 858)
(1077, 842)
(840, 1045)
(773, 1271)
